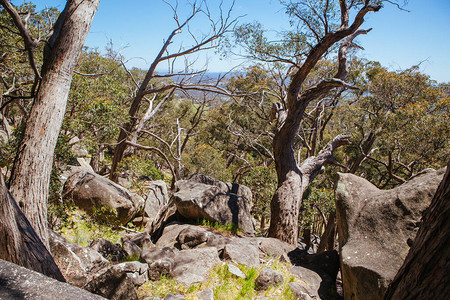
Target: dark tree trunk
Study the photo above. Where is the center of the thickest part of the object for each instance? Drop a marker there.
(425, 273)
(307, 237)
(19, 242)
(327, 238)
(31, 172)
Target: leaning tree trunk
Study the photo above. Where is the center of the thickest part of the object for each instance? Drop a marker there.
(31, 172)
(20, 243)
(425, 271)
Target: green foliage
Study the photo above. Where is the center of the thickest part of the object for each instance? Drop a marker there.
(315, 199)
(222, 229)
(142, 167)
(83, 228)
(106, 216)
(399, 119)
(208, 161)
(9, 149)
(263, 182)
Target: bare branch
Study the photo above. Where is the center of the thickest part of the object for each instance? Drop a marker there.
(156, 150)
(311, 167)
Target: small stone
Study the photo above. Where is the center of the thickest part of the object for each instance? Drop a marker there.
(160, 267)
(174, 297)
(207, 294)
(236, 271)
(267, 278)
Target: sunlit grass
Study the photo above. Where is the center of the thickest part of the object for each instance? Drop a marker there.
(83, 230)
(224, 284)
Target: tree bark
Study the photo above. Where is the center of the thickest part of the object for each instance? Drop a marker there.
(31, 172)
(425, 271)
(292, 179)
(20, 243)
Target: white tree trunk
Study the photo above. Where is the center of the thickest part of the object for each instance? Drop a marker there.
(31, 172)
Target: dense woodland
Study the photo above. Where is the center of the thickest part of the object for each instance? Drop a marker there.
(304, 104)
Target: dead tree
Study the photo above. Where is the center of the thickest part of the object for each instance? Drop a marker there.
(144, 89)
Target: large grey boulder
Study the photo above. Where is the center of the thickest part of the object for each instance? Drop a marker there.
(203, 197)
(425, 271)
(310, 283)
(142, 239)
(160, 267)
(92, 193)
(267, 278)
(109, 250)
(17, 282)
(317, 271)
(375, 227)
(274, 248)
(191, 237)
(150, 255)
(192, 266)
(77, 264)
(113, 284)
(169, 237)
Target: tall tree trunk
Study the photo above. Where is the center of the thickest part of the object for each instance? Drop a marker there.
(287, 199)
(20, 243)
(294, 179)
(425, 271)
(31, 172)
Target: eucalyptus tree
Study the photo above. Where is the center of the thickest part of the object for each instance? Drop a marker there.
(398, 120)
(29, 180)
(321, 29)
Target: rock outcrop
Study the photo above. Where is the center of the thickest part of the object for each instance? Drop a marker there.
(92, 193)
(109, 250)
(425, 271)
(156, 200)
(375, 227)
(17, 282)
(267, 278)
(78, 264)
(203, 197)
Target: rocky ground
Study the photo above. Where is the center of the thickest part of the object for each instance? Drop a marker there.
(175, 257)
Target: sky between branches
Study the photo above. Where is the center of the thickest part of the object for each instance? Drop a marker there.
(398, 40)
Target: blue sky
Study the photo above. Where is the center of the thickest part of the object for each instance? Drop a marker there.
(398, 40)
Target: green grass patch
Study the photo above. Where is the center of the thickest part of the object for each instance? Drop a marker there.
(227, 229)
(225, 285)
(83, 229)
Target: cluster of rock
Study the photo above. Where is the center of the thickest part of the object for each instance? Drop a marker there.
(186, 253)
(376, 229)
(198, 197)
